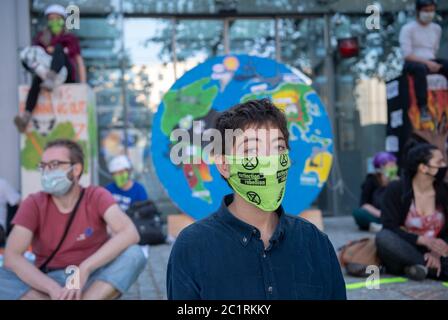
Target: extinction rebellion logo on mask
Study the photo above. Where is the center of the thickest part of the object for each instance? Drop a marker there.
(282, 174)
(253, 197)
(284, 160)
(250, 163)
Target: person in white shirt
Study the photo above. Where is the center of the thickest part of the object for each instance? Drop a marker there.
(419, 43)
(7, 196)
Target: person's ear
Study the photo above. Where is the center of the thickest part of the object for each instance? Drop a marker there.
(77, 170)
(423, 168)
(222, 166)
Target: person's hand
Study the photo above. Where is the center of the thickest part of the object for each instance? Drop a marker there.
(75, 293)
(433, 66)
(70, 294)
(56, 292)
(440, 247)
(436, 245)
(433, 261)
(50, 50)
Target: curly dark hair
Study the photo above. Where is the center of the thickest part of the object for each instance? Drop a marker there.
(422, 154)
(252, 113)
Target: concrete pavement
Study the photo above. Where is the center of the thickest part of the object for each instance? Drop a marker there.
(151, 283)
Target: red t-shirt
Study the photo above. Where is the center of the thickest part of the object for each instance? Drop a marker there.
(87, 234)
(69, 42)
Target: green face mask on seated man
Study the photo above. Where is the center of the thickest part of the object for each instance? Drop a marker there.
(121, 179)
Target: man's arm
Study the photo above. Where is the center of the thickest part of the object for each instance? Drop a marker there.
(18, 242)
(432, 66)
(405, 40)
(124, 234)
(81, 69)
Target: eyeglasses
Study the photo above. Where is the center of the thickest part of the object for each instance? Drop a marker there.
(52, 165)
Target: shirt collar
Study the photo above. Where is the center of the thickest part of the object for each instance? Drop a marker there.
(245, 231)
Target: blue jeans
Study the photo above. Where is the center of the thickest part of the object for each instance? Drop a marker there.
(120, 273)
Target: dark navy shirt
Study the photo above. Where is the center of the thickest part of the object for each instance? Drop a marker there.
(222, 257)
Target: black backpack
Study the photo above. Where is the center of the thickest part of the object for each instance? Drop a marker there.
(4, 232)
(2, 236)
(12, 210)
(148, 222)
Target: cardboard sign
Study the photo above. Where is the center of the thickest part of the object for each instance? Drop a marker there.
(404, 114)
(66, 112)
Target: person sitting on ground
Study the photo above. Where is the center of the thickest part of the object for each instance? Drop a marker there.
(67, 225)
(125, 190)
(419, 43)
(367, 217)
(414, 216)
(8, 196)
(65, 51)
(250, 248)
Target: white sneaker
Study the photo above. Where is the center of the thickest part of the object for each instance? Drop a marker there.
(41, 72)
(54, 79)
(375, 227)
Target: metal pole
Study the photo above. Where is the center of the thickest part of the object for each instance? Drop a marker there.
(278, 49)
(331, 107)
(173, 47)
(226, 36)
(124, 99)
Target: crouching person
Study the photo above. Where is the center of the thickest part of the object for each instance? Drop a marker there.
(66, 225)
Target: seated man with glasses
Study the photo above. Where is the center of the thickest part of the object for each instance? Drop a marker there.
(66, 225)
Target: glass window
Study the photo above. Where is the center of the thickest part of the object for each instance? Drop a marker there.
(302, 44)
(252, 36)
(196, 41)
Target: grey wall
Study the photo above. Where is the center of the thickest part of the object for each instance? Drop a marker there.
(15, 33)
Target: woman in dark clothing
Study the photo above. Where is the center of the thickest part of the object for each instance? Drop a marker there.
(65, 51)
(367, 216)
(414, 216)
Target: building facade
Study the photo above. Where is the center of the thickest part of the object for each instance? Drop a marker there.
(134, 51)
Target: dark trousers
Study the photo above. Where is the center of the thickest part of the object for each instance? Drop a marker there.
(363, 218)
(59, 60)
(396, 253)
(419, 71)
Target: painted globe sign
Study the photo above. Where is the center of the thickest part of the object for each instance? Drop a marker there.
(194, 101)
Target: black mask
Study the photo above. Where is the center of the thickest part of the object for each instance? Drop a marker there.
(441, 172)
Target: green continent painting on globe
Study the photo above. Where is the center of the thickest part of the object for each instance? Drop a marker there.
(183, 162)
(182, 107)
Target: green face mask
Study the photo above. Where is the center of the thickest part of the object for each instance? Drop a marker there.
(260, 180)
(391, 173)
(56, 26)
(121, 179)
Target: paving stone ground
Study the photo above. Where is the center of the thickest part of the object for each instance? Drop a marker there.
(151, 283)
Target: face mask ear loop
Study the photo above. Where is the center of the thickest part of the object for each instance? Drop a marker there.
(70, 170)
